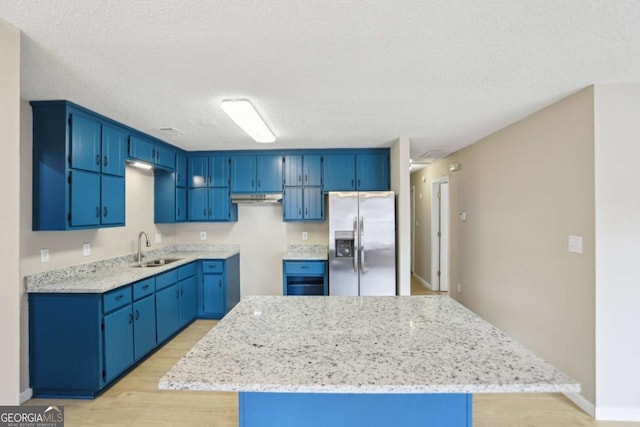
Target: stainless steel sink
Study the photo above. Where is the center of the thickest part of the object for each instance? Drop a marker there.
(158, 262)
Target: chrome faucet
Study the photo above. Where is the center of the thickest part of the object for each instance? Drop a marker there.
(142, 233)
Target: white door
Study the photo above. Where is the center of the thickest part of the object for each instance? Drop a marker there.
(440, 234)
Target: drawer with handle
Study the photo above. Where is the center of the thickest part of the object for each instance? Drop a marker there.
(212, 266)
(304, 267)
(143, 288)
(116, 298)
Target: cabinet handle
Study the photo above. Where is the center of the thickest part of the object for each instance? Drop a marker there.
(178, 294)
(299, 211)
(358, 182)
(304, 267)
(299, 178)
(178, 212)
(178, 177)
(351, 183)
(204, 212)
(145, 287)
(130, 318)
(210, 179)
(219, 283)
(181, 292)
(106, 161)
(119, 297)
(258, 183)
(306, 178)
(137, 314)
(306, 211)
(253, 183)
(98, 159)
(97, 211)
(209, 211)
(105, 211)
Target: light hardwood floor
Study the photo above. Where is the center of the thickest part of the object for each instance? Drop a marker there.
(136, 401)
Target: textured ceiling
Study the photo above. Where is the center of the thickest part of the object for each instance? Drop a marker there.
(355, 73)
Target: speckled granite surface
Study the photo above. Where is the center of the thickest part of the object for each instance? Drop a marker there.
(429, 344)
(306, 252)
(105, 275)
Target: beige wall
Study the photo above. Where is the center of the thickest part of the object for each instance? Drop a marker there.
(525, 189)
(263, 238)
(399, 174)
(65, 247)
(10, 213)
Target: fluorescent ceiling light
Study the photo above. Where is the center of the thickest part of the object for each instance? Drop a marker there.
(141, 165)
(245, 115)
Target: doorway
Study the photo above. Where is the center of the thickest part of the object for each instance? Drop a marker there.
(413, 228)
(440, 234)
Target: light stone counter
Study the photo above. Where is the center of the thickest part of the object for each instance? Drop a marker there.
(103, 276)
(306, 253)
(308, 344)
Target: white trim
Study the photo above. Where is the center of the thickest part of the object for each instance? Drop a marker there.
(435, 215)
(413, 228)
(582, 403)
(618, 414)
(26, 395)
(422, 281)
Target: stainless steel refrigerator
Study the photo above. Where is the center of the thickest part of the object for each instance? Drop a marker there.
(362, 243)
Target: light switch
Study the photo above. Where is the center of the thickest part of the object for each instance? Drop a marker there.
(86, 249)
(203, 235)
(44, 255)
(158, 238)
(463, 216)
(305, 235)
(575, 244)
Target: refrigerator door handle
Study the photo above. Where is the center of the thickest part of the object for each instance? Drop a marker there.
(355, 241)
(362, 244)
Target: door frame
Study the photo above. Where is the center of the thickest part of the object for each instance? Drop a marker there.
(437, 223)
(413, 229)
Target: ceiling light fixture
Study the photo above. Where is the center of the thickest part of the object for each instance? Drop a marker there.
(245, 115)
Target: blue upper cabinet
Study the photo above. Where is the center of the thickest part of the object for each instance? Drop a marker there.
(78, 168)
(114, 143)
(198, 172)
(85, 143)
(219, 171)
(312, 170)
(181, 170)
(361, 171)
(372, 171)
(340, 172)
(260, 173)
(303, 197)
(148, 151)
(293, 170)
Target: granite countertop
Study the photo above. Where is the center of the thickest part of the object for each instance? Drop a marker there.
(306, 252)
(103, 276)
(429, 344)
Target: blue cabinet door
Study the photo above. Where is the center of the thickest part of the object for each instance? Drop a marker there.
(181, 170)
(313, 204)
(219, 204)
(373, 172)
(219, 171)
(339, 172)
(85, 143)
(118, 342)
(144, 326)
(85, 199)
(181, 204)
(188, 300)
(198, 204)
(164, 157)
(312, 169)
(213, 294)
(113, 196)
(142, 149)
(293, 170)
(114, 143)
(167, 312)
(198, 172)
(293, 207)
(243, 174)
(269, 173)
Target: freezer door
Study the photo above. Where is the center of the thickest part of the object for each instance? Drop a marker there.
(377, 243)
(343, 270)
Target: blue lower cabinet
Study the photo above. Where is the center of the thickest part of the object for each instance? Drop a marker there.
(167, 312)
(144, 326)
(188, 300)
(304, 278)
(219, 289)
(118, 342)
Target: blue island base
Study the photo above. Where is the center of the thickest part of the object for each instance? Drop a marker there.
(258, 409)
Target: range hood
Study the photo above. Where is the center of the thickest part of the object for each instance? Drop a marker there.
(256, 199)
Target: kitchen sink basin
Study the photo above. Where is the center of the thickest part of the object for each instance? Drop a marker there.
(158, 262)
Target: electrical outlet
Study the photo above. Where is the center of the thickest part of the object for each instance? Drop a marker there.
(459, 288)
(203, 235)
(158, 238)
(86, 249)
(44, 255)
(305, 235)
(575, 244)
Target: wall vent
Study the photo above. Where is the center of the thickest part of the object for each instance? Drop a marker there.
(172, 131)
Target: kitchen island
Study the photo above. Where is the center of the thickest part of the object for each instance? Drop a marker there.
(319, 361)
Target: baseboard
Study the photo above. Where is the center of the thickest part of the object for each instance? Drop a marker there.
(26, 395)
(618, 414)
(582, 403)
(422, 281)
